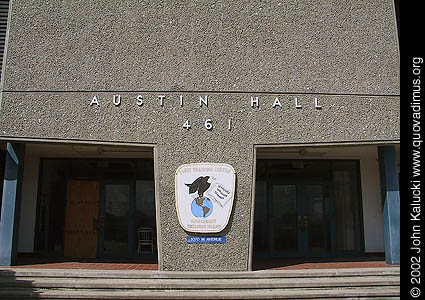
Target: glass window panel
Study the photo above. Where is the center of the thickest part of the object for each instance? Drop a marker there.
(260, 218)
(145, 209)
(284, 211)
(319, 239)
(347, 206)
(117, 198)
(299, 169)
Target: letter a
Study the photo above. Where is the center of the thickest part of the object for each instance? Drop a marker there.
(94, 101)
(276, 103)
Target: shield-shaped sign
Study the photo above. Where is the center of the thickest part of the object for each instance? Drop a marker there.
(204, 196)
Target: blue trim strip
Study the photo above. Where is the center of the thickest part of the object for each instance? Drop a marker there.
(391, 203)
(10, 210)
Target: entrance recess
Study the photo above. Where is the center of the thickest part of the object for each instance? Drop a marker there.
(96, 208)
(306, 208)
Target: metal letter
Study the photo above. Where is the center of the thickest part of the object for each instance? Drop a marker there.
(316, 103)
(254, 102)
(94, 101)
(117, 102)
(297, 105)
(139, 100)
(203, 100)
(161, 100)
(276, 103)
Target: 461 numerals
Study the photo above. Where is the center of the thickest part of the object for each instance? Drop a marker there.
(208, 124)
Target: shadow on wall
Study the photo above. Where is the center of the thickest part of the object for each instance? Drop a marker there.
(15, 287)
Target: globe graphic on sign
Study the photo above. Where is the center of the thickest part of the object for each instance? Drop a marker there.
(201, 207)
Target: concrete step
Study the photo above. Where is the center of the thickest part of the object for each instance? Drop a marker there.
(241, 283)
(365, 283)
(342, 293)
(305, 273)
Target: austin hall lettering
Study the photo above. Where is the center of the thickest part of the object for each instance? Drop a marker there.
(255, 102)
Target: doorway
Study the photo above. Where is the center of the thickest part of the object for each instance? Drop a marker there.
(94, 208)
(307, 208)
(299, 212)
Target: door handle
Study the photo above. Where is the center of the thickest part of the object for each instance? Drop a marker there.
(300, 223)
(305, 223)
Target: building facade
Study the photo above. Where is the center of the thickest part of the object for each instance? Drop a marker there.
(103, 101)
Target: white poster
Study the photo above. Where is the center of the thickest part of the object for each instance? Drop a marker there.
(204, 196)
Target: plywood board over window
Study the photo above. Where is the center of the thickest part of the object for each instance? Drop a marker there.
(82, 210)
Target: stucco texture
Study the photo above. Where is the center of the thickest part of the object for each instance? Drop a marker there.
(343, 47)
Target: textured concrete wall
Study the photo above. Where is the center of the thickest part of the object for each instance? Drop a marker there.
(274, 46)
(63, 53)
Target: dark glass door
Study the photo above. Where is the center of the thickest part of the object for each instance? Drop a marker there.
(284, 211)
(307, 208)
(317, 220)
(300, 220)
(115, 220)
